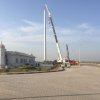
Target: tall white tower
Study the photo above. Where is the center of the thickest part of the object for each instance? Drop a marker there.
(2, 55)
(45, 35)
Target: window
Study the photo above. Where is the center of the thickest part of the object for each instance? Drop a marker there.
(16, 60)
(29, 60)
(24, 61)
(21, 60)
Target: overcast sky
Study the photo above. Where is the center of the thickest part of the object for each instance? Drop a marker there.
(77, 23)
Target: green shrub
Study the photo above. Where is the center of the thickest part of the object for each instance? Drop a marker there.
(4, 70)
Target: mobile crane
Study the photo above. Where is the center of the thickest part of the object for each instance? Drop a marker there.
(70, 62)
(68, 59)
(67, 52)
(60, 60)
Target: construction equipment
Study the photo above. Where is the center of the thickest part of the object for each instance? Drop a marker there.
(73, 62)
(67, 52)
(67, 55)
(60, 60)
(70, 62)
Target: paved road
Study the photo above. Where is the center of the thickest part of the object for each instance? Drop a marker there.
(76, 83)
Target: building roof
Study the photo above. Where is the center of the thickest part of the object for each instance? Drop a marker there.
(20, 53)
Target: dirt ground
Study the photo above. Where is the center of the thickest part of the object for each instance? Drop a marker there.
(75, 83)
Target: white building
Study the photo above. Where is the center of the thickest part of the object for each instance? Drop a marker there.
(12, 59)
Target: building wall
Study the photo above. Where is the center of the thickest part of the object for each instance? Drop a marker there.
(2, 57)
(17, 58)
(12, 59)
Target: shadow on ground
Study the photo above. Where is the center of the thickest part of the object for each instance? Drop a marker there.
(52, 96)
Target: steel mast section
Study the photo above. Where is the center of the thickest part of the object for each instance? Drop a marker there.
(53, 28)
(67, 55)
(45, 36)
(67, 51)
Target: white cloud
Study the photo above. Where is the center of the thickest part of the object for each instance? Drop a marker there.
(33, 32)
(83, 26)
(33, 27)
(28, 37)
(28, 22)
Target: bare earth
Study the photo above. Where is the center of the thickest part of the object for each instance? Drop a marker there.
(75, 83)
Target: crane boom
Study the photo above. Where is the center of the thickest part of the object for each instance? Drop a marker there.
(53, 28)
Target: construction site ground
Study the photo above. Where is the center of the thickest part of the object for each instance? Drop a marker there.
(75, 83)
